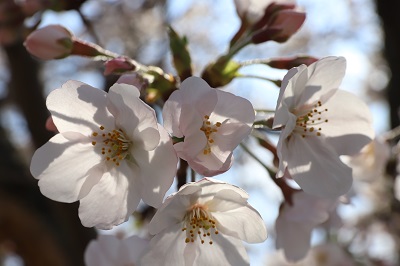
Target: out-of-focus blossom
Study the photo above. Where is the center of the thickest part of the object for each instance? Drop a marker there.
(204, 223)
(109, 250)
(370, 163)
(50, 42)
(109, 154)
(296, 222)
(319, 123)
(210, 122)
(328, 254)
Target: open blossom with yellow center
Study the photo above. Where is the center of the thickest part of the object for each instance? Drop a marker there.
(320, 122)
(204, 223)
(109, 154)
(211, 123)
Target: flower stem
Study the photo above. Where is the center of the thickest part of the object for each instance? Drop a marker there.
(271, 172)
(277, 82)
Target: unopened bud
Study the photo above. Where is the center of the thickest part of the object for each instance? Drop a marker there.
(50, 42)
(290, 62)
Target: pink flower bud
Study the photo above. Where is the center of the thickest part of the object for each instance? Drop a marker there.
(50, 42)
(50, 126)
(290, 62)
(117, 66)
(281, 26)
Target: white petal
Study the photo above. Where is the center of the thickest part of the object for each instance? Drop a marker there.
(62, 165)
(309, 209)
(295, 81)
(316, 167)
(196, 93)
(136, 118)
(157, 169)
(102, 252)
(113, 199)
(243, 110)
(349, 127)
(78, 107)
(237, 218)
(132, 249)
(174, 208)
(169, 248)
(324, 75)
(171, 114)
(293, 238)
(210, 164)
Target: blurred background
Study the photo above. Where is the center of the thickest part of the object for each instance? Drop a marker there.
(38, 231)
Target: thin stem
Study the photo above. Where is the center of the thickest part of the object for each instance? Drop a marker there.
(193, 175)
(271, 172)
(264, 111)
(277, 82)
(255, 62)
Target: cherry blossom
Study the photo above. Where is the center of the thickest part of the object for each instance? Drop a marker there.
(211, 123)
(204, 223)
(296, 222)
(109, 250)
(319, 123)
(109, 154)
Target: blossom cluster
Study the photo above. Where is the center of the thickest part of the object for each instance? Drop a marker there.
(111, 151)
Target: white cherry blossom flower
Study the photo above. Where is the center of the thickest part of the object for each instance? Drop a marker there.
(319, 123)
(109, 250)
(204, 223)
(296, 222)
(109, 154)
(212, 123)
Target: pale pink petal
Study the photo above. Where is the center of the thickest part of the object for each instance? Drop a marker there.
(235, 217)
(132, 249)
(293, 238)
(288, 99)
(103, 251)
(136, 118)
(230, 106)
(113, 199)
(196, 93)
(78, 107)
(174, 208)
(171, 114)
(323, 76)
(316, 167)
(349, 127)
(62, 166)
(211, 186)
(110, 250)
(209, 164)
(169, 248)
(309, 209)
(158, 169)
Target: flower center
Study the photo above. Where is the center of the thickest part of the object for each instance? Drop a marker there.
(114, 144)
(208, 128)
(199, 224)
(310, 124)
